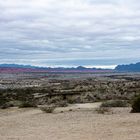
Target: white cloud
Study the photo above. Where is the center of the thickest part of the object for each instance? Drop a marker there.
(69, 29)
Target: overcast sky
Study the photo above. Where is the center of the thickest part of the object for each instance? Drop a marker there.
(70, 32)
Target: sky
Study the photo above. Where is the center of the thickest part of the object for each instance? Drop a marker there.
(92, 33)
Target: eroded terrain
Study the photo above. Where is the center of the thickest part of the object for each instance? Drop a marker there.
(43, 88)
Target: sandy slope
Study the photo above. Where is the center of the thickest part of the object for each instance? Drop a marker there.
(32, 124)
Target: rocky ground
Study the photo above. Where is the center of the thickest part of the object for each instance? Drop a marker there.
(80, 123)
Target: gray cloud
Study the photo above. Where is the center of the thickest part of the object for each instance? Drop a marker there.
(69, 32)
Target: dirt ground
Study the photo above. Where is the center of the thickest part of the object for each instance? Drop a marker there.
(82, 123)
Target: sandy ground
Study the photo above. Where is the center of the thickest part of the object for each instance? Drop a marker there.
(76, 107)
(82, 123)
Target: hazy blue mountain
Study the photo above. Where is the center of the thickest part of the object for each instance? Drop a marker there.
(79, 68)
(129, 68)
(125, 68)
(16, 66)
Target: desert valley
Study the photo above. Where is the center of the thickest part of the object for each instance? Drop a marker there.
(65, 106)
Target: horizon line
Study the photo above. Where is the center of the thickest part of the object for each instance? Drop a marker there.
(64, 66)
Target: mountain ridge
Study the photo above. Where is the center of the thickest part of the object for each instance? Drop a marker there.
(129, 67)
(120, 68)
(37, 67)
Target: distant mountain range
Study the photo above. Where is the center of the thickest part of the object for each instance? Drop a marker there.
(16, 66)
(129, 68)
(37, 67)
(26, 68)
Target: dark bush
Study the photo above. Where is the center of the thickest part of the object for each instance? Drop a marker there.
(48, 109)
(3, 102)
(115, 103)
(5, 106)
(25, 104)
(62, 104)
(136, 105)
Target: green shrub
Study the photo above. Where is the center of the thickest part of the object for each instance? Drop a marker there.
(136, 105)
(115, 103)
(54, 100)
(5, 106)
(25, 104)
(62, 104)
(48, 109)
(14, 103)
(3, 102)
(71, 101)
(57, 101)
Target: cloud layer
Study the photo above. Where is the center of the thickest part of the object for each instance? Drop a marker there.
(69, 32)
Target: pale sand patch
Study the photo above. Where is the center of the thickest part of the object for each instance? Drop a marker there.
(75, 107)
(33, 124)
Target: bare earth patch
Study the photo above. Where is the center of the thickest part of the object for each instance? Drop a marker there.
(75, 107)
(82, 123)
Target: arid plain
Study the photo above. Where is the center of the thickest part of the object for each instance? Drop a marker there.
(80, 119)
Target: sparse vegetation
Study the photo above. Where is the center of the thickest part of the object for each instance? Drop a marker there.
(15, 103)
(3, 102)
(56, 90)
(54, 100)
(115, 103)
(48, 109)
(25, 104)
(62, 104)
(102, 110)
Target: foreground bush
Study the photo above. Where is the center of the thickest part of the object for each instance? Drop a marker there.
(62, 104)
(3, 102)
(136, 105)
(26, 104)
(58, 102)
(54, 100)
(115, 103)
(5, 106)
(48, 109)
